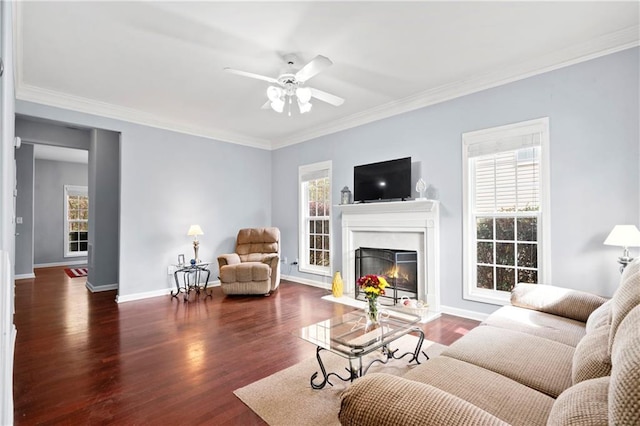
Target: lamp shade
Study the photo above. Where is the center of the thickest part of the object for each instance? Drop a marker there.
(195, 230)
(623, 236)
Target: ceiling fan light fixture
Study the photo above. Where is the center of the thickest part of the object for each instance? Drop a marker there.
(274, 93)
(304, 106)
(303, 94)
(277, 105)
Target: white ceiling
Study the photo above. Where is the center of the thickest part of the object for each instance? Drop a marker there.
(161, 63)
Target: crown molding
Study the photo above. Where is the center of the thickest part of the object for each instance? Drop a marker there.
(602, 46)
(25, 92)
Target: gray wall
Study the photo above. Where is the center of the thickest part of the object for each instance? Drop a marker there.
(49, 133)
(50, 179)
(104, 196)
(24, 208)
(594, 123)
(169, 181)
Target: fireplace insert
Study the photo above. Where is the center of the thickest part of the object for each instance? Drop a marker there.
(398, 267)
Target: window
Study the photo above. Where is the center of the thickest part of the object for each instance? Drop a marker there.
(505, 209)
(315, 218)
(76, 224)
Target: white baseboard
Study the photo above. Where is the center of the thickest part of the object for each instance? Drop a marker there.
(313, 283)
(25, 276)
(98, 288)
(154, 293)
(69, 263)
(464, 313)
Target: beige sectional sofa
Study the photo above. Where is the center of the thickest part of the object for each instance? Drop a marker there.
(555, 357)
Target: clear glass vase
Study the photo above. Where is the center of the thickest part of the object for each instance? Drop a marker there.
(373, 312)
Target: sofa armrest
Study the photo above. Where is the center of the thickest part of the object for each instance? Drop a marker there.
(271, 259)
(564, 302)
(383, 399)
(228, 259)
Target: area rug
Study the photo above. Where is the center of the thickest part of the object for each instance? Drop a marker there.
(76, 272)
(286, 397)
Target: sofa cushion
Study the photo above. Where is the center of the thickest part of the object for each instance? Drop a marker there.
(560, 329)
(584, 404)
(574, 304)
(626, 297)
(624, 392)
(386, 400)
(591, 358)
(536, 362)
(506, 399)
(601, 317)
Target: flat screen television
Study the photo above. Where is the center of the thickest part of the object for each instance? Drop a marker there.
(386, 180)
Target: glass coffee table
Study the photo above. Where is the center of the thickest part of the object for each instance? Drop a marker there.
(349, 337)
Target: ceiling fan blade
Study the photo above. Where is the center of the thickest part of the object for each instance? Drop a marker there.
(326, 97)
(251, 75)
(317, 64)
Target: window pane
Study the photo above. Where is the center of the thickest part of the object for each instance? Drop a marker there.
(311, 226)
(484, 228)
(485, 277)
(485, 252)
(312, 257)
(527, 276)
(318, 241)
(73, 247)
(83, 246)
(83, 214)
(74, 226)
(84, 236)
(73, 236)
(325, 258)
(74, 214)
(73, 203)
(83, 226)
(326, 226)
(527, 229)
(325, 243)
(83, 202)
(312, 208)
(505, 228)
(505, 254)
(506, 279)
(528, 255)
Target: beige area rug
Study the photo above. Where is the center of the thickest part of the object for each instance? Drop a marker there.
(286, 397)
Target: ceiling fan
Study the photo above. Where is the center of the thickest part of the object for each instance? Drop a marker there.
(290, 83)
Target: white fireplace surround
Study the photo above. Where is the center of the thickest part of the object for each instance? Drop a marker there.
(401, 225)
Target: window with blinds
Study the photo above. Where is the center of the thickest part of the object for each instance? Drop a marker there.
(315, 218)
(503, 208)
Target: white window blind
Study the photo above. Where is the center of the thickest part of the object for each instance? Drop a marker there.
(505, 202)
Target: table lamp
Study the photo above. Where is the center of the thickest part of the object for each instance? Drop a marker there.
(624, 236)
(195, 230)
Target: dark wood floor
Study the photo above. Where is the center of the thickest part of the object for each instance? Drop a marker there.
(83, 359)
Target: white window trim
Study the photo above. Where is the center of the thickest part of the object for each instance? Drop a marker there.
(71, 190)
(303, 235)
(470, 291)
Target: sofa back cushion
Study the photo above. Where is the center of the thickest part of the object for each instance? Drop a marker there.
(601, 317)
(574, 304)
(253, 244)
(591, 358)
(584, 404)
(626, 297)
(624, 391)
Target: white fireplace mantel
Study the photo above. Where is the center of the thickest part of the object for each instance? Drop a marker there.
(401, 225)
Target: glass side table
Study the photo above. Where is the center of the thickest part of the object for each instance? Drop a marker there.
(191, 279)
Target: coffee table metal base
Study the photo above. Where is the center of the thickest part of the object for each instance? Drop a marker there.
(359, 370)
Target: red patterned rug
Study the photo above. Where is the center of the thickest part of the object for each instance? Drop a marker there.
(76, 272)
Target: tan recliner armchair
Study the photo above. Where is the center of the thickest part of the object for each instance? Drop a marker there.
(255, 266)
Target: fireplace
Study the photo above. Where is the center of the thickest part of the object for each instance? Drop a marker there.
(398, 267)
(403, 226)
